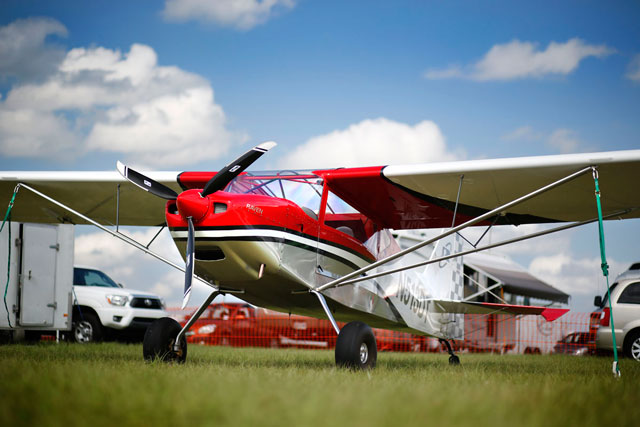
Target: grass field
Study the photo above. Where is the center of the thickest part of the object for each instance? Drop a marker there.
(109, 384)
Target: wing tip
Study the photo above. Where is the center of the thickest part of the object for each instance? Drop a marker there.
(121, 168)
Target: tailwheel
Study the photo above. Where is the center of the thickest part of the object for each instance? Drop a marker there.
(159, 341)
(356, 347)
(453, 358)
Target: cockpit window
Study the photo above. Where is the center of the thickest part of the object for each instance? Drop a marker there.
(301, 187)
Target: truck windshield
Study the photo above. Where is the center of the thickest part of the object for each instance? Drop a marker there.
(89, 277)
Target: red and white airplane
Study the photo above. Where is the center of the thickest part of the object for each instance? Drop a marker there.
(317, 242)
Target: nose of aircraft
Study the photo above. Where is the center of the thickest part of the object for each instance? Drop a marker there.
(192, 204)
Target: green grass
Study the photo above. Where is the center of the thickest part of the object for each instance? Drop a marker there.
(109, 384)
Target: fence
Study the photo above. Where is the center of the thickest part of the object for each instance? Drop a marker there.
(241, 325)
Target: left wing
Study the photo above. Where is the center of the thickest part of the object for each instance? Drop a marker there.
(424, 195)
(94, 194)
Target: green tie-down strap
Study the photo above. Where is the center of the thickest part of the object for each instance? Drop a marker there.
(7, 218)
(605, 272)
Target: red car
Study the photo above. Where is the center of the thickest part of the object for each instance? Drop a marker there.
(242, 325)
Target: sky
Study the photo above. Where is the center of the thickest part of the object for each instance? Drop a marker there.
(191, 84)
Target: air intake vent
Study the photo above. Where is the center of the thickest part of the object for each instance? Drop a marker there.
(209, 254)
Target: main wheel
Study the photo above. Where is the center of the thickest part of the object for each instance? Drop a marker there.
(87, 329)
(159, 341)
(356, 347)
(632, 345)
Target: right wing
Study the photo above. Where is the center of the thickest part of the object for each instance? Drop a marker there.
(93, 194)
(424, 195)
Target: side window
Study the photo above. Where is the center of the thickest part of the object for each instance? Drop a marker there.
(78, 277)
(631, 294)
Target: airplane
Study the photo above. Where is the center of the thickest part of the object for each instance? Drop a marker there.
(318, 242)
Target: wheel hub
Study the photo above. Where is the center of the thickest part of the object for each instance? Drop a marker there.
(364, 353)
(83, 332)
(635, 349)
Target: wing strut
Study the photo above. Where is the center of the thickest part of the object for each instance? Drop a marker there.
(119, 235)
(484, 248)
(453, 230)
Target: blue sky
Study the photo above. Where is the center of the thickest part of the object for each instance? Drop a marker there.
(178, 85)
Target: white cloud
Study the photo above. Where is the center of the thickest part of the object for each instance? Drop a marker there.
(564, 140)
(523, 133)
(22, 48)
(102, 250)
(372, 143)
(100, 99)
(240, 14)
(633, 70)
(132, 267)
(518, 60)
(573, 275)
(561, 140)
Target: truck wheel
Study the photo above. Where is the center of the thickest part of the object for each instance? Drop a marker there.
(356, 347)
(159, 340)
(632, 345)
(87, 329)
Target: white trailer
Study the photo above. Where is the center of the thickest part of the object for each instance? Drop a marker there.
(36, 278)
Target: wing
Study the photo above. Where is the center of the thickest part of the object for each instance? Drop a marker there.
(94, 194)
(424, 195)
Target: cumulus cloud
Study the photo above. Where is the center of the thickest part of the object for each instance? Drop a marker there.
(371, 143)
(564, 140)
(523, 133)
(633, 70)
(99, 99)
(134, 268)
(240, 14)
(561, 140)
(23, 52)
(573, 275)
(519, 60)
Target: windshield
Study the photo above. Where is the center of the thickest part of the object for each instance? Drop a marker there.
(89, 277)
(302, 188)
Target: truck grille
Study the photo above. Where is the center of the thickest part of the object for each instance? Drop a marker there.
(152, 303)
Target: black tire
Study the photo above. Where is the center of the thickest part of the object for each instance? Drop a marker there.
(159, 339)
(356, 347)
(632, 345)
(87, 329)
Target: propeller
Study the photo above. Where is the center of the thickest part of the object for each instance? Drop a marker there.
(189, 264)
(229, 172)
(193, 207)
(146, 183)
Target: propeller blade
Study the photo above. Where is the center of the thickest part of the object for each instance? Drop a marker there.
(146, 183)
(189, 264)
(226, 174)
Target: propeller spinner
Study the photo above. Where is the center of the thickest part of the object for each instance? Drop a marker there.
(192, 204)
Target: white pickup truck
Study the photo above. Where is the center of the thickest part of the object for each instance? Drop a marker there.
(103, 309)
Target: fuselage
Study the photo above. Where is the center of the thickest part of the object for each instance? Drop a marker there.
(271, 252)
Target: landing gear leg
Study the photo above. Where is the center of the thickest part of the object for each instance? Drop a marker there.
(356, 345)
(453, 359)
(165, 338)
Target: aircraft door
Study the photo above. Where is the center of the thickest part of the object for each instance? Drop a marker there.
(38, 273)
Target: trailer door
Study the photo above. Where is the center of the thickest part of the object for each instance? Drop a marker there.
(38, 273)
